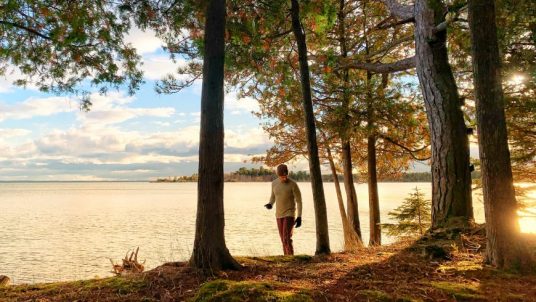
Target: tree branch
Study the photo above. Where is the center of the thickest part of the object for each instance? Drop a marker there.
(391, 46)
(30, 30)
(451, 17)
(385, 24)
(411, 152)
(401, 65)
(400, 11)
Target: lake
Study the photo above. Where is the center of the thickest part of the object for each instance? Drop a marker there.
(67, 231)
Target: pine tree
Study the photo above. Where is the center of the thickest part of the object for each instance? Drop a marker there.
(413, 216)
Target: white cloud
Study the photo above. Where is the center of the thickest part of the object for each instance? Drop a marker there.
(155, 67)
(6, 85)
(237, 106)
(37, 107)
(246, 138)
(9, 133)
(144, 41)
(113, 109)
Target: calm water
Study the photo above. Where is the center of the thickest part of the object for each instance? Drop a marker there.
(65, 231)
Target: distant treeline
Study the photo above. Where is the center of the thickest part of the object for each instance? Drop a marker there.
(262, 174)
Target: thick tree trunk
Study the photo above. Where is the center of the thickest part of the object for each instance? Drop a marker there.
(374, 199)
(451, 178)
(210, 252)
(504, 248)
(321, 217)
(351, 239)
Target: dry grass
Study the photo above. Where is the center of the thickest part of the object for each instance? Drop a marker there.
(390, 273)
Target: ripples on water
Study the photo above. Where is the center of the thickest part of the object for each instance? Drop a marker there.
(67, 231)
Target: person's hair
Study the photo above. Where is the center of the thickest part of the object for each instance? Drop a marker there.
(282, 170)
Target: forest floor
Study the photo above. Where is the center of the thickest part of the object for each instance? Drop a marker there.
(405, 271)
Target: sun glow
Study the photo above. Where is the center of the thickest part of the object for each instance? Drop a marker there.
(527, 224)
(516, 80)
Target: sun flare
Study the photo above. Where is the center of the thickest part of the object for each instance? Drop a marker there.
(527, 224)
(516, 80)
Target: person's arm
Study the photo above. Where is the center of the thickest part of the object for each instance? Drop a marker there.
(297, 199)
(270, 204)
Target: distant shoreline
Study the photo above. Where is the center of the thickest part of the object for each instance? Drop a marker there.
(170, 182)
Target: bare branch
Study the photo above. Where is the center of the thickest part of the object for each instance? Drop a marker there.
(411, 152)
(401, 65)
(385, 24)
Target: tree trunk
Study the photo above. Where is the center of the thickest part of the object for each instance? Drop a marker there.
(345, 128)
(349, 187)
(351, 239)
(374, 200)
(321, 217)
(504, 247)
(210, 252)
(451, 178)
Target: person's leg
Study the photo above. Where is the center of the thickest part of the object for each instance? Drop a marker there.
(281, 227)
(288, 226)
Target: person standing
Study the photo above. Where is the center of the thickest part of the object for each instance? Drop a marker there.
(287, 198)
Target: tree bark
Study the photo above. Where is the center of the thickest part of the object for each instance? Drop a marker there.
(351, 240)
(210, 252)
(345, 129)
(504, 247)
(451, 178)
(374, 199)
(321, 218)
(349, 187)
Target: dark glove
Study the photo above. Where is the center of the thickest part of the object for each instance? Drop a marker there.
(298, 222)
(268, 206)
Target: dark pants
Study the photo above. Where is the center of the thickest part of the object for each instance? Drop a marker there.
(285, 226)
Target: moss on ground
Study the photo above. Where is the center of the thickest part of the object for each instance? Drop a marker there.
(116, 285)
(231, 291)
(459, 290)
(375, 295)
(460, 266)
(286, 259)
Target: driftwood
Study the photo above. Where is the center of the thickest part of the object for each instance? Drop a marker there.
(130, 265)
(4, 280)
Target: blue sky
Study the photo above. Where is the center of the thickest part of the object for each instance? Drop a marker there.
(140, 137)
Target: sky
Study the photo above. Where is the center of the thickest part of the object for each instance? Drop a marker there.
(45, 137)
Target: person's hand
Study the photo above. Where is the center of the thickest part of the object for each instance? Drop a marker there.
(298, 222)
(268, 206)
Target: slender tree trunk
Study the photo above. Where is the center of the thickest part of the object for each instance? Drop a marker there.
(322, 235)
(345, 129)
(374, 200)
(451, 178)
(420, 221)
(349, 187)
(351, 240)
(504, 247)
(210, 252)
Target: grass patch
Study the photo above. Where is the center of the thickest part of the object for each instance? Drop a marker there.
(121, 285)
(459, 290)
(232, 291)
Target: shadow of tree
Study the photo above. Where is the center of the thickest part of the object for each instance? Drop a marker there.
(415, 274)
